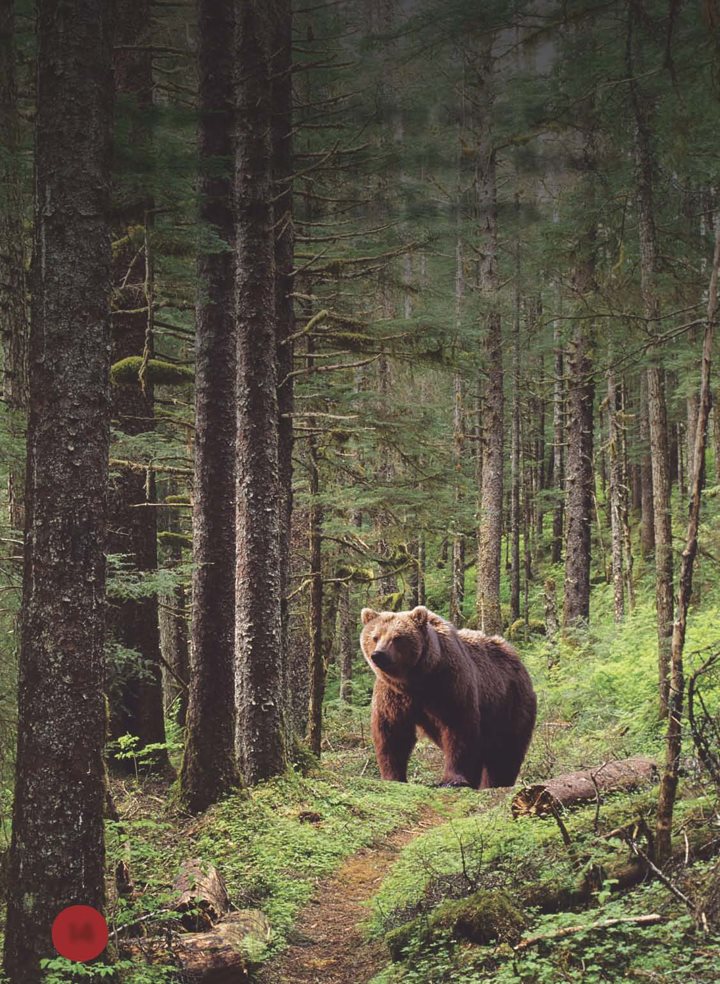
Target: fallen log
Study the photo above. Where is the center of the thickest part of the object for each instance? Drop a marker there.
(217, 956)
(203, 898)
(580, 788)
(651, 919)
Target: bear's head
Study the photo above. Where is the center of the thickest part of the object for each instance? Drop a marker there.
(393, 642)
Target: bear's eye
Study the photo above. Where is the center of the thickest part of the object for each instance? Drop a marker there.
(375, 637)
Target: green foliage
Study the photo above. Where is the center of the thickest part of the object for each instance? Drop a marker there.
(127, 748)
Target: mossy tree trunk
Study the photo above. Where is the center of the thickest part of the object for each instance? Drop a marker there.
(579, 475)
(558, 458)
(676, 681)
(317, 661)
(515, 453)
(579, 479)
(491, 487)
(57, 851)
(136, 691)
(13, 299)
(261, 736)
(656, 382)
(282, 149)
(647, 517)
(616, 496)
(210, 770)
(346, 628)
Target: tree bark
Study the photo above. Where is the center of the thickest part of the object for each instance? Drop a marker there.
(581, 788)
(259, 584)
(282, 150)
(203, 895)
(299, 652)
(317, 667)
(216, 956)
(558, 447)
(673, 742)
(515, 459)
(579, 481)
(628, 560)
(174, 641)
(136, 693)
(616, 496)
(491, 488)
(457, 569)
(57, 850)
(657, 413)
(347, 643)
(210, 770)
(457, 582)
(13, 296)
(692, 416)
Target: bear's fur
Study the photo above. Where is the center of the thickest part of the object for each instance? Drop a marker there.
(468, 692)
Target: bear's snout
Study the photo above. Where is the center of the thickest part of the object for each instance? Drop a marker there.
(381, 658)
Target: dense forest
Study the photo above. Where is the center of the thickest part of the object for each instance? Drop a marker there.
(314, 308)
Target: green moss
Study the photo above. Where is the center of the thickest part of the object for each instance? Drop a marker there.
(302, 757)
(126, 372)
(520, 629)
(168, 539)
(392, 602)
(177, 500)
(483, 917)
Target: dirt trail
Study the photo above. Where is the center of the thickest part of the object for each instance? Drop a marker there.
(331, 948)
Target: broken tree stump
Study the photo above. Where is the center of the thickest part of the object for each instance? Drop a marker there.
(580, 788)
(217, 956)
(204, 899)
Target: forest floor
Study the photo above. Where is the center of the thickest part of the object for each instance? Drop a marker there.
(328, 943)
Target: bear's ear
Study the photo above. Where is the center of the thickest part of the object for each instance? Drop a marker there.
(420, 615)
(367, 615)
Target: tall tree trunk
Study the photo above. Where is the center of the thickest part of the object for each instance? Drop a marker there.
(347, 643)
(657, 413)
(175, 648)
(558, 446)
(625, 504)
(457, 584)
(579, 480)
(692, 416)
(457, 575)
(491, 489)
(673, 743)
(174, 636)
(282, 149)
(13, 299)
(317, 663)
(57, 850)
(515, 457)
(417, 573)
(298, 668)
(647, 516)
(258, 634)
(210, 770)
(616, 495)
(136, 695)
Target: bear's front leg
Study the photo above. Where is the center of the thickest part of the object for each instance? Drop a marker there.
(393, 731)
(462, 767)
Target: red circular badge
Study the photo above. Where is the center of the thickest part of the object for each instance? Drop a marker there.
(79, 933)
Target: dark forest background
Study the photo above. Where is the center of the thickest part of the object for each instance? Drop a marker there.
(307, 306)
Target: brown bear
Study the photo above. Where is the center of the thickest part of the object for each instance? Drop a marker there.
(468, 692)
